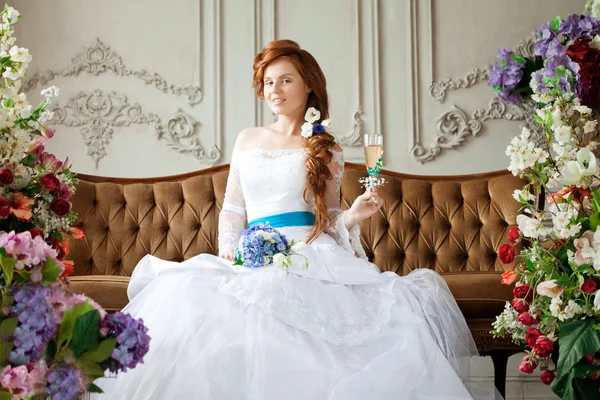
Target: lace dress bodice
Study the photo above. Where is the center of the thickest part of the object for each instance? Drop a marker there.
(266, 182)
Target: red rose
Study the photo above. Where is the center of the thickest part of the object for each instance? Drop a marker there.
(595, 376)
(527, 320)
(527, 365)
(532, 336)
(523, 291)
(6, 176)
(50, 182)
(4, 208)
(588, 359)
(60, 207)
(547, 377)
(588, 286)
(35, 232)
(520, 305)
(506, 253)
(544, 346)
(588, 60)
(514, 235)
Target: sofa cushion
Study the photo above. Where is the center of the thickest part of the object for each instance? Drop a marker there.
(110, 291)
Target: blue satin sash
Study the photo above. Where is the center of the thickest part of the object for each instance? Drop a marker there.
(294, 218)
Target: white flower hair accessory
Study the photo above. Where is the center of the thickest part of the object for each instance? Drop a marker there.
(310, 128)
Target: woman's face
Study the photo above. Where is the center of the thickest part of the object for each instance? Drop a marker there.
(284, 89)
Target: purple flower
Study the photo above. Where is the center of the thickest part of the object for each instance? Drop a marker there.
(545, 35)
(37, 324)
(133, 342)
(506, 75)
(318, 129)
(65, 382)
(578, 27)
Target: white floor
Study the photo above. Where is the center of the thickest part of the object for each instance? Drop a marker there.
(520, 386)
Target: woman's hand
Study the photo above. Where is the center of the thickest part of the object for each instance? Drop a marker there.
(227, 255)
(363, 207)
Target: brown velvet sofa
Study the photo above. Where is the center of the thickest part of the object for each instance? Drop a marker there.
(452, 224)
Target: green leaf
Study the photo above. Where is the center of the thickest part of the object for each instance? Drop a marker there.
(8, 267)
(65, 332)
(7, 327)
(57, 235)
(86, 332)
(502, 63)
(577, 340)
(584, 370)
(5, 396)
(92, 388)
(50, 271)
(562, 386)
(51, 349)
(563, 280)
(594, 221)
(100, 353)
(238, 261)
(90, 368)
(517, 58)
(29, 160)
(555, 24)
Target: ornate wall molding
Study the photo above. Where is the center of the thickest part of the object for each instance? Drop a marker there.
(98, 58)
(98, 113)
(454, 127)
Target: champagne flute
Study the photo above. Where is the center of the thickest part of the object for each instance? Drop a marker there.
(373, 145)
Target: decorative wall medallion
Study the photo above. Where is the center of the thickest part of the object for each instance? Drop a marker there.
(98, 113)
(454, 126)
(98, 59)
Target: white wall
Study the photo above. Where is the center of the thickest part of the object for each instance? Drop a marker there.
(380, 59)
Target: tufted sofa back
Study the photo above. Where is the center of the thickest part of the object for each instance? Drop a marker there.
(451, 224)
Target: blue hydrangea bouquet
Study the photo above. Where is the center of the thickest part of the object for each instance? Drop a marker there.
(261, 244)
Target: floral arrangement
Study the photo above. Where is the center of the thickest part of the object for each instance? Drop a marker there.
(261, 244)
(556, 305)
(53, 343)
(309, 127)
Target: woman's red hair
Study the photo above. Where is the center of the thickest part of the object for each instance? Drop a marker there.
(318, 147)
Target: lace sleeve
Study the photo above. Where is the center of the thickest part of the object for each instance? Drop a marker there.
(347, 238)
(232, 218)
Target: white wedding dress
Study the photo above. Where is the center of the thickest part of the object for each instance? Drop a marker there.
(337, 330)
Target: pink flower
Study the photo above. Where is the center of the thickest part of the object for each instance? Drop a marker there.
(527, 365)
(547, 377)
(583, 249)
(64, 192)
(544, 346)
(47, 132)
(550, 289)
(24, 380)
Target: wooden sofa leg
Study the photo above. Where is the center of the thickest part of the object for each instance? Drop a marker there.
(500, 360)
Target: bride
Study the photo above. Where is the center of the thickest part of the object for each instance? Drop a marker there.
(337, 330)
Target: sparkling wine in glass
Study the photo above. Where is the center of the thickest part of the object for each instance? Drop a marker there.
(373, 145)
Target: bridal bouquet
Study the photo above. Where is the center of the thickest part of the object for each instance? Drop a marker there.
(262, 244)
(53, 343)
(556, 305)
